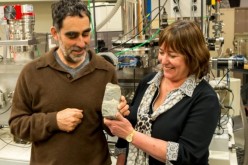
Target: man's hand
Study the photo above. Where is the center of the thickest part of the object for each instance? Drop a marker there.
(69, 118)
(123, 107)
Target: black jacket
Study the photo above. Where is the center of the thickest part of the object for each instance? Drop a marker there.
(191, 123)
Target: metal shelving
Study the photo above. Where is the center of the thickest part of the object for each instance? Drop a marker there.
(18, 42)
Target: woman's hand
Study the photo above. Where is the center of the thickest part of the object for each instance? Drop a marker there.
(123, 107)
(120, 127)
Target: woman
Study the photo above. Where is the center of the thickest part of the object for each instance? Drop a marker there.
(175, 111)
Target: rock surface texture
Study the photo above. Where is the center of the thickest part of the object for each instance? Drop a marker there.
(111, 100)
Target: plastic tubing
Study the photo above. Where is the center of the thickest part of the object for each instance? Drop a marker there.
(114, 10)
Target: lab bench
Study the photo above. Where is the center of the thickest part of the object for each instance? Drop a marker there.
(12, 153)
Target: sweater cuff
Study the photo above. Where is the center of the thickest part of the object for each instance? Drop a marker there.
(52, 122)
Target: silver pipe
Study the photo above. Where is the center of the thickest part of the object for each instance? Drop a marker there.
(113, 11)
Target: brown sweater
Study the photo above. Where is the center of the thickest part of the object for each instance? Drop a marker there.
(44, 88)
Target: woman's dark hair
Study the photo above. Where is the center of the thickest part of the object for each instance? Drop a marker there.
(185, 37)
(64, 8)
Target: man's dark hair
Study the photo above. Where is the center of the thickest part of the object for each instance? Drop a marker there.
(64, 8)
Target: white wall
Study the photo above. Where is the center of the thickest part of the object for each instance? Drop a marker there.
(243, 3)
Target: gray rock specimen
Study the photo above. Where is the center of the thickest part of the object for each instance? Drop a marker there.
(111, 100)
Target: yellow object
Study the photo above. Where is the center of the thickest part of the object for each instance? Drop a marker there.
(129, 137)
(213, 2)
(246, 66)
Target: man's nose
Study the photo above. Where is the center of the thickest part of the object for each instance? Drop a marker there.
(81, 42)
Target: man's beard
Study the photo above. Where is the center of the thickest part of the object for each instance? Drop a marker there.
(68, 55)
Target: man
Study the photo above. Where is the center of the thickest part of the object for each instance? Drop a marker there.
(58, 97)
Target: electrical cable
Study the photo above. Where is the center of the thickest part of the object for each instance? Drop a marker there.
(138, 34)
(9, 136)
(7, 109)
(114, 42)
(159, 16)
(135, 47)
(28, 145)
(209, 10)
(92, 22)
(223, 121)
(228, 70)
(136, 25)
(224, 93)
